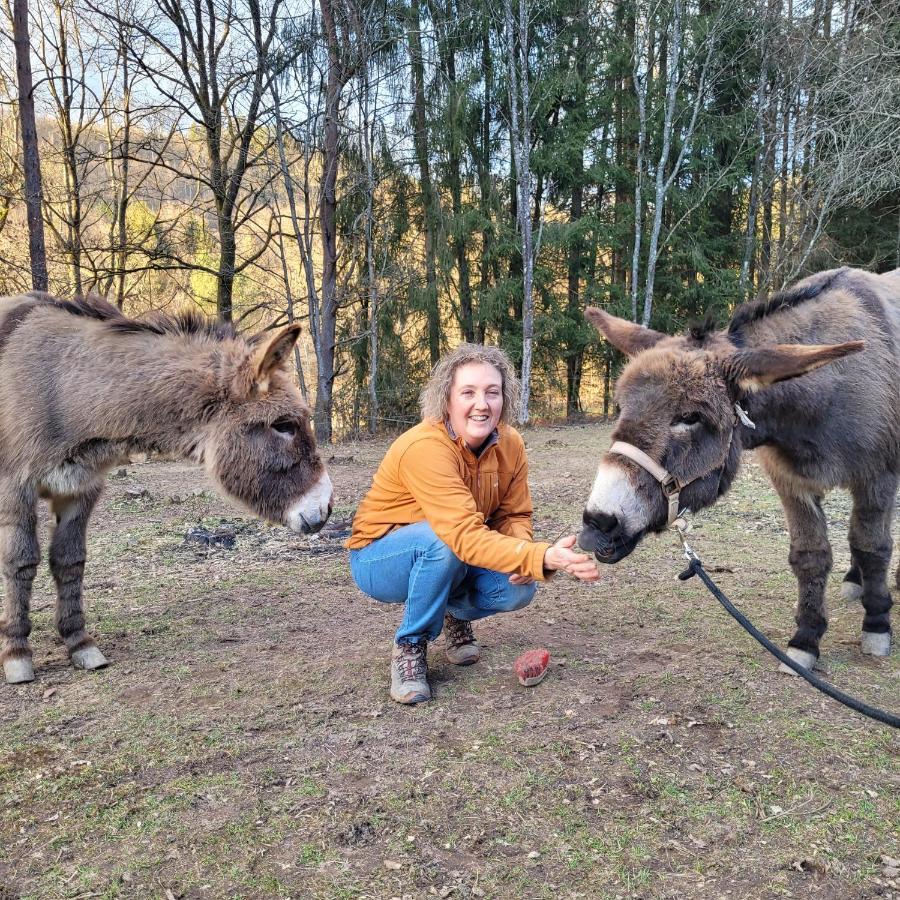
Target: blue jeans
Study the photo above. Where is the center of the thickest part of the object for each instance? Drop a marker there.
(412, 565)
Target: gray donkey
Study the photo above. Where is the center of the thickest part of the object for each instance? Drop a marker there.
(691, 404)
(82, 386)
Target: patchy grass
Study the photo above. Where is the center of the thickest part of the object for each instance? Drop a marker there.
(242, 744)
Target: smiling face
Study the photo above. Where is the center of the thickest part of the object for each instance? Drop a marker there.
(475, 403)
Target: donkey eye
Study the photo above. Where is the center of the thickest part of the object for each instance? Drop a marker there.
(285, 426)
(688, 420)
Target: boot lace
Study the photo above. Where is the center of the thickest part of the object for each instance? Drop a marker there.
(458, 631)
(411, 662)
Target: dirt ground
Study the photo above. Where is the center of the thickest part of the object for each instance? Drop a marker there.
(242, 742)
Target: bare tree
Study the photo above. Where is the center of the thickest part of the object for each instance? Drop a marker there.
(520, 140)
(118, 158)
(69, 54)
(211, 63)
(31, 162)
(10, 152)
(430, 200)
(310, 142)
(845, 148)
(369, 124)
(675, 75)
(337, 19)
(641, 66)
(763, 99)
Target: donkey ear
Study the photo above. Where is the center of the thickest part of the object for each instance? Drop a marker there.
(626, 336)
(272, 353)
(753, 370)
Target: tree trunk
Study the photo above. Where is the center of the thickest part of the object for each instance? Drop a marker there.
(639, 80)
(607, 367)
(484, 173)
(520, 124)
(328, 225)
(65, 102)
(31, 162)
(454, 177)
(289, 306)
(429, 200)
(372, 284)
(227, 260)
(305, 256)
(620, 87)
(574, 358)
(121, 215)
(670, 79)
(762, 101)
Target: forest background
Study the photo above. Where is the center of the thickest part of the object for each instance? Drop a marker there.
(404, 174)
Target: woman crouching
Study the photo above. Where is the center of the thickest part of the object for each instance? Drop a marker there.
(446, 526)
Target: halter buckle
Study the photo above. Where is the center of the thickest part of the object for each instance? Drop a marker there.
(670, 485)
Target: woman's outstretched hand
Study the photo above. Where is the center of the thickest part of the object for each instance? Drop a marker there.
(562, 556)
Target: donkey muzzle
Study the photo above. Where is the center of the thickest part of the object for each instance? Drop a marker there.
(312, 510)
(604, 536)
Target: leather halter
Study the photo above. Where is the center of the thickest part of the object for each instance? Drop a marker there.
(671, 486)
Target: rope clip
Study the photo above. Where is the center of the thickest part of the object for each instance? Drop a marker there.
(683, 527)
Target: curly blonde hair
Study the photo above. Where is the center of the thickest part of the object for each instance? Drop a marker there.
(435, 397)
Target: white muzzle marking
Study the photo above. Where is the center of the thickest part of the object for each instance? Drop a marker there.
(614, 495)
(312, 509)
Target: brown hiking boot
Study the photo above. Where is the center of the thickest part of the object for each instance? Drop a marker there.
(409, 673)
(462, 648)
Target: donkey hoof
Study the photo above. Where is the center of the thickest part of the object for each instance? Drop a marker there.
(851, 591)
(89, 658)
(18, 670)
(802, 658)
(876, 643)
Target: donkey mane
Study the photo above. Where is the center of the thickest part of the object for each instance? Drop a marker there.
(93, 306)
(754, 310)
(186, 323)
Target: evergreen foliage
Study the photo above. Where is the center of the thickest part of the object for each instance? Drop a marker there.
(715, 150)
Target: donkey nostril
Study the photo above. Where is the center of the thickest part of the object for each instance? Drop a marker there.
(602, 522)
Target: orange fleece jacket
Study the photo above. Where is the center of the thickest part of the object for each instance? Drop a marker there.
(479, 506)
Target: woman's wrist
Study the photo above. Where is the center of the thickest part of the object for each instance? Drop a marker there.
(551, 563)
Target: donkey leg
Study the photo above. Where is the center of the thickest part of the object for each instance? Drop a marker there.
(67, 555)
(810, 560)
(851, 586)
(20, 555)
(871, 545)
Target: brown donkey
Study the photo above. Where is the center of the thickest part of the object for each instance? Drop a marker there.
(82, 386)
(693, 403)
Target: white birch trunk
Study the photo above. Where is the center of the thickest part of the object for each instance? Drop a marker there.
(660, 194)
(520, 129)
(368, 132)
(302, 231)
(640, 89)
(662, 183)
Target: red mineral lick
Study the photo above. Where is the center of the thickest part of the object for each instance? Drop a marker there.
(531, 666)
